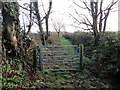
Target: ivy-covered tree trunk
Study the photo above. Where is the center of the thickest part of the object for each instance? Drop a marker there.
(10, 30)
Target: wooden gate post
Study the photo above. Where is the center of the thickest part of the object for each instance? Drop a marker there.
(81, 55)
(41, 58)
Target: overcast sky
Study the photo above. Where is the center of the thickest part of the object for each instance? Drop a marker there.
(61, 10)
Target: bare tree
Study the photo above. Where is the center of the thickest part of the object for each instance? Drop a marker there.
(34, 9)
(97, 19)
(58, 25)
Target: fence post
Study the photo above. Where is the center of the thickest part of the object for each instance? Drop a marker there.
(41, 58)
(81, 55)
(78, 50)
(34, 59)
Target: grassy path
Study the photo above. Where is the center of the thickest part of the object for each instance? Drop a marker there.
(64, 41)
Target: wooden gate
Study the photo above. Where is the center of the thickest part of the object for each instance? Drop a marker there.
(57, 58)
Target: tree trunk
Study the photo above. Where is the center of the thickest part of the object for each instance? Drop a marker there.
(10, 28)
(39, 21)
(46, 19)
(94, 11)
(96, 40)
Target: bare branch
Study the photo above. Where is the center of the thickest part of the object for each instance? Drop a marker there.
(78, 5)
(26, 9)
(88, 7)
(87, 19)
(75, 18)
(43, 7)
(108, 9)
(30, 21)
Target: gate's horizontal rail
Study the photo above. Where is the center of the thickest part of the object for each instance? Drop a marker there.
(58, 63)
(65, 56)
(60, 46)
(59, 60)
(61, 69)
(60, 51)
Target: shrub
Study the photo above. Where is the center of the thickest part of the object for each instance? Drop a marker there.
(106, 52)
(53, 38)
(80, 38)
